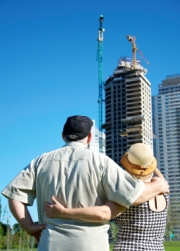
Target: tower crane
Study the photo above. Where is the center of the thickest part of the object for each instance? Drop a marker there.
(100, 81)
(132, 40)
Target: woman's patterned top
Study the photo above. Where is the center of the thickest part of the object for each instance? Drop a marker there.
(141, 229)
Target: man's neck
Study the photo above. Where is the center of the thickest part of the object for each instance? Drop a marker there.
(77, 142)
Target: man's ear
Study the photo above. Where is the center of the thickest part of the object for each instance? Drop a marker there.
(62, 135)
(89, 137)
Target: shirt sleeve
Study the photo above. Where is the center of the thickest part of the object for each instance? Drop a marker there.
(23, 188)
(119, 186)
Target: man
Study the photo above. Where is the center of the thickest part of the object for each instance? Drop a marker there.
(78, 177)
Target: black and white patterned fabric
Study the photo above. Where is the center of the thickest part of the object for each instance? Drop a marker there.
(141, 229)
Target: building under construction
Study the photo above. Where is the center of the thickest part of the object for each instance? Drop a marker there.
(128, 117)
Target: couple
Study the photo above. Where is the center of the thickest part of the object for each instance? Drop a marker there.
(78, 177)
(141, 227)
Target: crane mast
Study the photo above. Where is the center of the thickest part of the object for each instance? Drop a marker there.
(100, 81)
(132, 40)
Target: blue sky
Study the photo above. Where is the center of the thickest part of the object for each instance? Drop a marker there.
(48, 67)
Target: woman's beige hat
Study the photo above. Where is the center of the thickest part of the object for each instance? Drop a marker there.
(139, 160)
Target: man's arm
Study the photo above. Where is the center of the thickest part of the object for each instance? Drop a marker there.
(156, 186)
(90, 214)
(21, 214)
(108, 211)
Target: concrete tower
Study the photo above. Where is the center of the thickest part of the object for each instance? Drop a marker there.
(166, 125)
(127, 109)
(94, 144)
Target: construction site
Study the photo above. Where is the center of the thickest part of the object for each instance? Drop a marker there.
(128, 118)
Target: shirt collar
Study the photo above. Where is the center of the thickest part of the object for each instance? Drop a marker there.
(78, 144)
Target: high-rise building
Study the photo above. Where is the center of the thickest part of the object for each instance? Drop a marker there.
(166, 126)
(94, 144)
(128, 118)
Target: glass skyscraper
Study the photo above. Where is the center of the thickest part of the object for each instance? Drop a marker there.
(94, 144)
(166, 127)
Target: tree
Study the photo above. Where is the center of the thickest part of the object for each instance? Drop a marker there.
(5, 228)
(113, 231)
(173, 217)
(21, 240)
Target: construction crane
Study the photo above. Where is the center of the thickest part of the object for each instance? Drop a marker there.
(100, 81)
(132, 40)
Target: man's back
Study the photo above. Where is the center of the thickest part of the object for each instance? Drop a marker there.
(74, 175)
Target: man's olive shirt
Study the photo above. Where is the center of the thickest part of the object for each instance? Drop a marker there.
(78, 177)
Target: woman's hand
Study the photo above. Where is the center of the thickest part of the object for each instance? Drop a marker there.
(53, 210)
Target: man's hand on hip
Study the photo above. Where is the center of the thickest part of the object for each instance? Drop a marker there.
(35, 230)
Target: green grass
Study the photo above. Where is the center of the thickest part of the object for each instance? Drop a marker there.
(22, 249)
(111, 247)
(168, 245)
(172, 245)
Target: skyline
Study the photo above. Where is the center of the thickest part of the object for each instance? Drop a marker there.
(48, 67)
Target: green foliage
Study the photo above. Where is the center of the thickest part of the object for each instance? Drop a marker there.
(16, 228)
(173, 217)
(17, 249)
(0, 209)
(21, 239)
(113, 231)
(3, 229)
(15, 237)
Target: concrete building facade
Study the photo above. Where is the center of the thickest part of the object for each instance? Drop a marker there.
(94, 144)
(166, 126)
(128, 116)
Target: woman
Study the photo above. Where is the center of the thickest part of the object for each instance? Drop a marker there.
(141, 227)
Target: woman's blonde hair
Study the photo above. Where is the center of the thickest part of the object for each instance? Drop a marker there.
(140, 177)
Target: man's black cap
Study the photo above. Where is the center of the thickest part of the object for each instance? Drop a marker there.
(77, 127)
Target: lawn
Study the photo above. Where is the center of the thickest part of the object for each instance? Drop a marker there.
(172, 245)
(169, 246)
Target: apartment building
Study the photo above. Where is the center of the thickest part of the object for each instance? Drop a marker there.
(166, 126)
(94, 144)
(128, 116)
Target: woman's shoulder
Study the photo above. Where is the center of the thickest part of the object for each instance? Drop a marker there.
(159, 203)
